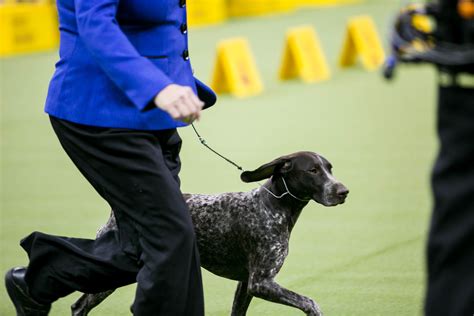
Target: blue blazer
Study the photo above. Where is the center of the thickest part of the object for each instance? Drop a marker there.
(115, 57)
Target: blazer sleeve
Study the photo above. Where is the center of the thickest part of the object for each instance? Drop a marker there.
(134, 74)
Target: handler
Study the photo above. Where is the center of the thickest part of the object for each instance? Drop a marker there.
(450, 251)
(449, 46)
(122, 86)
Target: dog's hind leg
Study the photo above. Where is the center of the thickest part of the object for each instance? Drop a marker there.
(241, 300)
(87, 302)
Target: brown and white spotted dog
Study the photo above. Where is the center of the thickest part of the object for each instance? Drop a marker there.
(244, 236)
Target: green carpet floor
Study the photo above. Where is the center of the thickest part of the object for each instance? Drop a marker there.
(365, 257)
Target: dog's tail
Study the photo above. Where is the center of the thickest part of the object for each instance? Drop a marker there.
(187, 196)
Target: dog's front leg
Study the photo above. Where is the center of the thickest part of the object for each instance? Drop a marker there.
(87, 302)
(241, 300)
(269, 290)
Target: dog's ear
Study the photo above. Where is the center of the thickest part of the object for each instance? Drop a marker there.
(282, 165)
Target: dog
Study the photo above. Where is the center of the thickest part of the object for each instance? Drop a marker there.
(245, 236)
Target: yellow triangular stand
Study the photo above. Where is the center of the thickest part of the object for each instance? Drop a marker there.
(235, 71)
(362, 40)
(303, 56)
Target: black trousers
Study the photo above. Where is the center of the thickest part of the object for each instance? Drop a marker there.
(136, 172)
(451, 239)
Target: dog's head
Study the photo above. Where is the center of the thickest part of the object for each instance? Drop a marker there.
(308, 176)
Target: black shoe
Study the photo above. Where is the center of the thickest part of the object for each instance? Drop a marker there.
(17, 289)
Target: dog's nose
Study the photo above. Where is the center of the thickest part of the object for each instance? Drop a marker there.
(342, 191)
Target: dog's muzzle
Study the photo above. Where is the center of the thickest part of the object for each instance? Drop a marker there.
(336, 194)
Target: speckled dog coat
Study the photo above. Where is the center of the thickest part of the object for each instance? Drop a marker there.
(244, 236)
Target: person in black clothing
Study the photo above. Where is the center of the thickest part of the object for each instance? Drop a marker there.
(450, 248)
(123, 86)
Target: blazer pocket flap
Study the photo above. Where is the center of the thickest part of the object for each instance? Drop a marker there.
(161, 62)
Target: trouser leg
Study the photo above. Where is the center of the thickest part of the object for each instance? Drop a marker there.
(136, 172)
(61, 265)
(450, 245)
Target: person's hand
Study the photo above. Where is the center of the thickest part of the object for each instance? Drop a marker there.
(180, 102)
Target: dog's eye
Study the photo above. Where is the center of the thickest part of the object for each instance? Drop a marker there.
(314, 170)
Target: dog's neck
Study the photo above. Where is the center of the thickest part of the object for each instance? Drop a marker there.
(290, 205)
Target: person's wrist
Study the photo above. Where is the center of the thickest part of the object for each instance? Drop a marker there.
(157, 101)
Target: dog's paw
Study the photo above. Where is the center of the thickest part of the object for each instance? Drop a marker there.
(313, 309)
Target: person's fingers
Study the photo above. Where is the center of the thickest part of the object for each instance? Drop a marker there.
(198, 104)
(185, 117)
(193, 98)
(190, 101)
(181, 103)
(183, 107)
(174, 112)
(188, 120)
(197, 101)
(196, 109)
(194, 104)
(197, 116)
(192, 117)
(179, 111)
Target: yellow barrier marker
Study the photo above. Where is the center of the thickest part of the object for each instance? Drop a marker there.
(27, 27)
(206, 12)
(327, 2)
(239, 8)
(235, 70)
(362, 40)
(303, 56)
